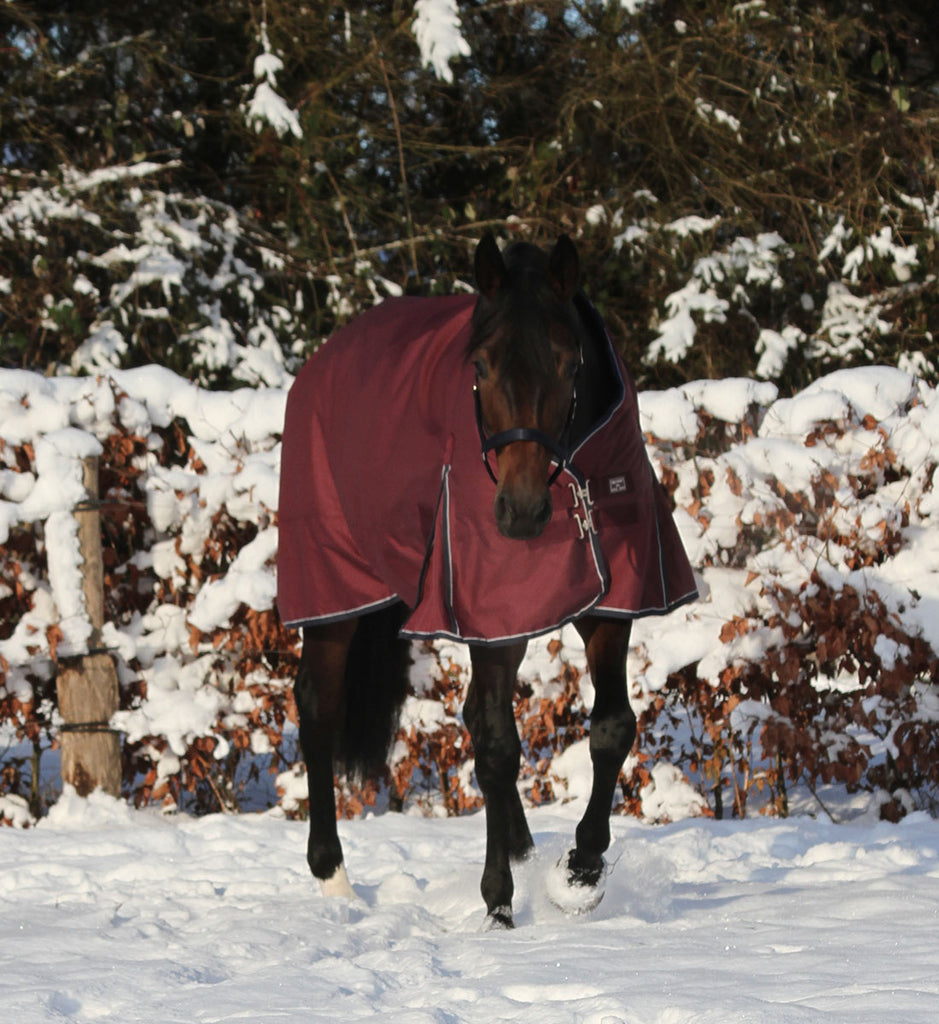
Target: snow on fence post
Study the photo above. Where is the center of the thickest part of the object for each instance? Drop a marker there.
(87, 686)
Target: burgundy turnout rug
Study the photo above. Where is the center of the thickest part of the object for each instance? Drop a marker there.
(384, 496)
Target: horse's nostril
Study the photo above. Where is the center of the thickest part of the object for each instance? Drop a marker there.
(522, 522)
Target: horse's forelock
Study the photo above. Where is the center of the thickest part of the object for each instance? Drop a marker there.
(519, 318)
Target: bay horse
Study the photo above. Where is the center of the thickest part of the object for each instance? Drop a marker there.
(523, 375)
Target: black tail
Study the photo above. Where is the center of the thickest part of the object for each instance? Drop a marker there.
(375, 687)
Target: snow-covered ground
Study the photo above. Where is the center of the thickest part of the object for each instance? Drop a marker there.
(110, 914)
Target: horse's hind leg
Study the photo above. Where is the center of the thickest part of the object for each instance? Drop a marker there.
(490, 718)
(319, 695)
(612, 733)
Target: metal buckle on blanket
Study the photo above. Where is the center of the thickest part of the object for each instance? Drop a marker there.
(583, 501)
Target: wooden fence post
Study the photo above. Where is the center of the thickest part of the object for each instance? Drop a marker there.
(87, 686)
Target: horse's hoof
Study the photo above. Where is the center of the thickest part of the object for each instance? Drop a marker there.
(576, 888)
(499, 920)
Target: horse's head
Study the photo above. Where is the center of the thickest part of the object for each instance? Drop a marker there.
(526, 348)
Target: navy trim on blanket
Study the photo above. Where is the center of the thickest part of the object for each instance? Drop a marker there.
(603, 612)
(500, 641)
(350, 613)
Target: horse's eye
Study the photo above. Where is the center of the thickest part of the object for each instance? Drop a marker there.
(482, 370)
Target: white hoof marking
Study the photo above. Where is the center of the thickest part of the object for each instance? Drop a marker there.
(337, 884)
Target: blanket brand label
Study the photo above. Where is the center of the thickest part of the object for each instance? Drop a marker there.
(617, 485)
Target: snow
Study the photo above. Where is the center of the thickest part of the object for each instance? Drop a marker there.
(745, 262)
(80, 181)
(878, 391)
(436, 28)
(178, 707)
(847, 320)
(677, 331)
(774, 347)
(246, 582)
(708, 112)
(110, 914)
(265, 106)
(668, 797)
(673, 415)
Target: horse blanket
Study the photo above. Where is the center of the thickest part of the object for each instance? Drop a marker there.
(384, 496)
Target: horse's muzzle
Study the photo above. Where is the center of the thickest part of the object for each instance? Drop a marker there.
(522, 520)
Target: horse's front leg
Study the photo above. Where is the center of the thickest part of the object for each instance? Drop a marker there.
(612, 733)
(490, 718)
(320, 707)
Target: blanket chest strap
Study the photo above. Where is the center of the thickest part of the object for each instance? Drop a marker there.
(582, 509)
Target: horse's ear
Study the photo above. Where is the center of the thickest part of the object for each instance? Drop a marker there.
(489, 266)
(564, 268)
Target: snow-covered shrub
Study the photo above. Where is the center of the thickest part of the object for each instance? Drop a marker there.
(810, 659)
(813, 657)
(189, 494)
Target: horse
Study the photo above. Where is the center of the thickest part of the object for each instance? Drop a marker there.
(460, 528)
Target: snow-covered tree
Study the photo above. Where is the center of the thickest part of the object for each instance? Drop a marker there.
(727, 169)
